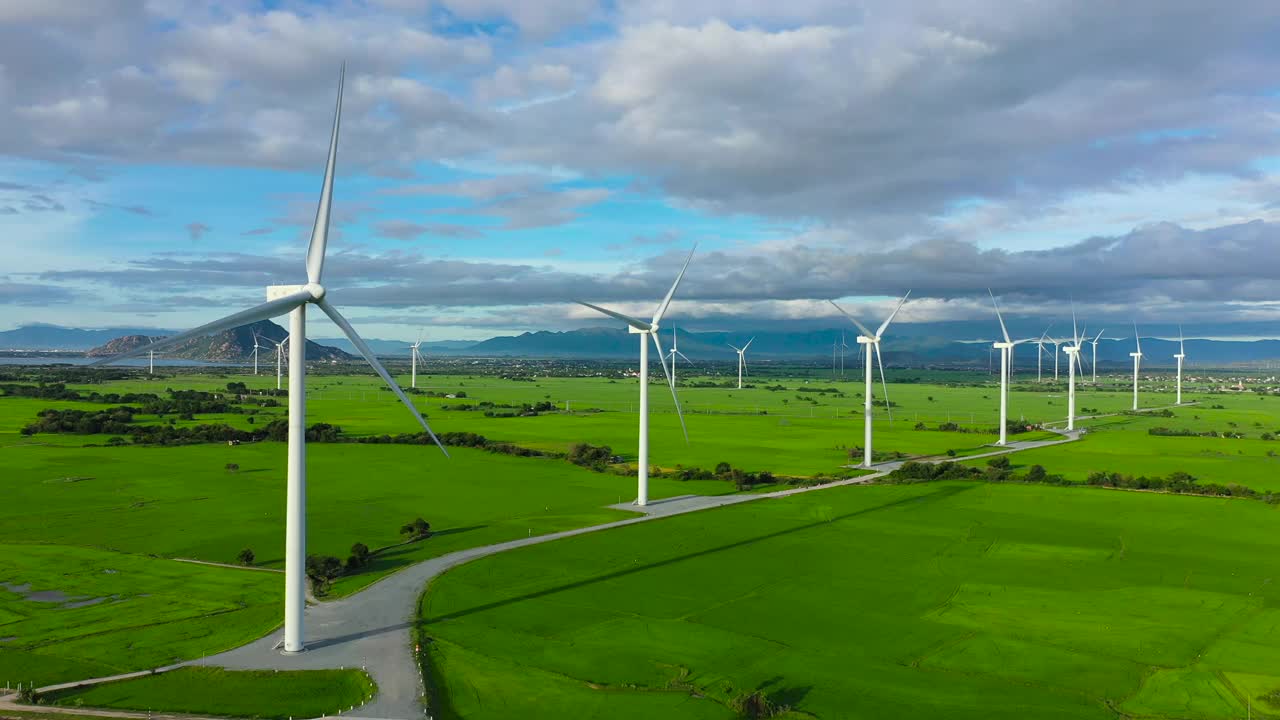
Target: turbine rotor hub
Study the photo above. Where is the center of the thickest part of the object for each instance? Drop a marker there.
(316, 289)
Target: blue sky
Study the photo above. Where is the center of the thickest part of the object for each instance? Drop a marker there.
(162, 159)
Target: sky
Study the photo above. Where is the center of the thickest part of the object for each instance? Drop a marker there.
(160, 160)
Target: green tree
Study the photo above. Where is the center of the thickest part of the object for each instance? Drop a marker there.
(245, 557)
(416, 530)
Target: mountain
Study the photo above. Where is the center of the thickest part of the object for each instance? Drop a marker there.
(234, 345)
(55, 337)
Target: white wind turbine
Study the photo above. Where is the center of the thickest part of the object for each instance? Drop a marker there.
(1056, 345)
(1094, 343)
(294, 299)
(674, 352)
(742, 358)
(843, 346)
(1137, 363)
(256, 348)
(649, 329)
(1182, 355)
(415, 355)
(872, 341)
(280, 356)
(1072, 350)
(1040, 350)
(1006, 369)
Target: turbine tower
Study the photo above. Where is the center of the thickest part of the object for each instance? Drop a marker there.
(151, 362)
(414, 357)
(742, 358)
(1006, 349)
(1056, 344)
(872, 341)
(294, 299)
(674, 352)
(843, 346)
(1094, 343)
(256, 347)
(1040, 351)
(279, 358)
(648, 330)
(1137, 363)
(1182, 354)
(1072, 350)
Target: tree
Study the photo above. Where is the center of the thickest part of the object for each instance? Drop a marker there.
(1036, 473)
(323, 570)
(359, 557)
(233, 467)
(245, 557)
(416, 530)
(723, 468)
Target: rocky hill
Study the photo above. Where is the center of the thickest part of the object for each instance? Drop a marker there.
(234, 345)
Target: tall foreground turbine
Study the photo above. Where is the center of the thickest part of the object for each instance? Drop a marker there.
(742, 358)
(294, 299)
(1182, 355)
(650, 330)
(872, 341)
(1137, 363)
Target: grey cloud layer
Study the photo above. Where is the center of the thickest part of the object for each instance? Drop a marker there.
(1159, 267)
(853, 112)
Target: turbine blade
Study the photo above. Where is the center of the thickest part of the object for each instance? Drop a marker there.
(1095, 340)
(1004, 330)
(677, 352)
(735, 347)
(1182, 348)
(637, 324)
(885, 326)
(662, 308)
(670, 384)
(744, 347)
(367, 352)
(884, 385)
(1136, 338)
(861, 328)
(320, 231)
(266, 310)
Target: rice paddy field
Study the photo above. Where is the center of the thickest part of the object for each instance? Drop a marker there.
(93, 539)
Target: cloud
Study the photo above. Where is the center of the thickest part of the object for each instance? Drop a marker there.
(258, 231)
(32, 294)
(520, 201)
(131, 209)
(405, 230)
(666, 237)
(197, 230)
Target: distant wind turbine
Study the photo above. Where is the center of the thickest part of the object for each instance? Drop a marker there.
(256, 348)
(872, 341)
(1005, 348)
(1040, 351)
(674, 353)
(742, 359)
(294, 299)
(1182, 354)
(415, 355)
(1094, 343)
(280, 358)
(1137, 363)
(649, 330)
(1073, 359)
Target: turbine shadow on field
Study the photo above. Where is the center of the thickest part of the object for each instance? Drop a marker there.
(941, 494)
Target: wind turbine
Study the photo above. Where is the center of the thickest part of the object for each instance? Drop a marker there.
(835, 349)
(414, 356)
(256, 347)
(675, 351)
(1073, 358)
(1056, 344)
(843, 346)
(1006, 349)
(151, 362)
(1182, 354)
(280, 356)
(872, 341)
(1094, 343)
(742, 358)
(294, 299)
(1137, 363)
(649, 329)
(1040, 350)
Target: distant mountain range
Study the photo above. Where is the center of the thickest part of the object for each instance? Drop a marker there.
(906, 345)
(234, 345)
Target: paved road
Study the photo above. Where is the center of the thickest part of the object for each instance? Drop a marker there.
(372, 628)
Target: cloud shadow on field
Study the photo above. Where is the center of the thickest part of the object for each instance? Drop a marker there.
(941, 494)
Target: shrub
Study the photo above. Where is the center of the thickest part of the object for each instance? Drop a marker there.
(246, 557)
(416, 530)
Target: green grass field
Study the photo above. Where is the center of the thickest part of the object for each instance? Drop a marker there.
(942, 600)
(246, 694)
(105, 525)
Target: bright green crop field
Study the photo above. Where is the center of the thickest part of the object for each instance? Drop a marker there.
(91, 535)
(925, 601)
(247, 694)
